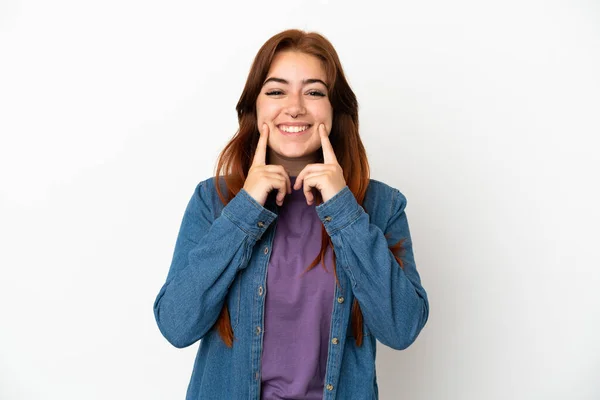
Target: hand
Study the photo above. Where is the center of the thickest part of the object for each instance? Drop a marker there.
(327, 178)
(263, 178)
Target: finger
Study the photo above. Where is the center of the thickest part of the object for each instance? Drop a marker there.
(328, 153)
(306, 170)
(308, 193)
(311, 180)
(260, 155)
(299, 179)
(279, 183)
(309, 169)
(275, 168)
(283, 172)
(286, 173)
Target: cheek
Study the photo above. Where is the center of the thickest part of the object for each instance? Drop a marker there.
(266, 111)
(323, 113)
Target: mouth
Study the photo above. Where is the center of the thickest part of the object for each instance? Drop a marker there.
(293, 129)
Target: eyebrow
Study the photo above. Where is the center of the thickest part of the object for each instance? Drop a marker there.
(304, 82)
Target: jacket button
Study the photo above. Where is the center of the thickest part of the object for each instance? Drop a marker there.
(266, 250)
(260, 224)
(260, 290)
(328, 218)
(258, 330)
(340, 299)
(335, 340)
(329, 387)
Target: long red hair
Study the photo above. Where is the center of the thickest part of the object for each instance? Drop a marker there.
(236, 158)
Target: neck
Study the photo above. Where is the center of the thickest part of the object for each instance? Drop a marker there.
(293, 165)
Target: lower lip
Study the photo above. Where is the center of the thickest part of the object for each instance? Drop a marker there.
(293, 133)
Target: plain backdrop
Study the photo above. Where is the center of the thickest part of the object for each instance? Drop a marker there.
(484, 114)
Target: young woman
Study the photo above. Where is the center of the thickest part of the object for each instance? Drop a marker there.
(291, 261)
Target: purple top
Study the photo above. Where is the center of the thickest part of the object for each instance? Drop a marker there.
(297, 307)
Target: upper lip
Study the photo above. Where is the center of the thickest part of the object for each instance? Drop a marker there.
(295, 123)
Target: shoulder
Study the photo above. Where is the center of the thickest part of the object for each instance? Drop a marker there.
(206, 197)
(207, 188)
(383, 201)
(380, 191)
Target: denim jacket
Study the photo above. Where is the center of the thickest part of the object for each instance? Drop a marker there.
(221, 255)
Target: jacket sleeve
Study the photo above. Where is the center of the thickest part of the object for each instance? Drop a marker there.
(208, 254)
(394, 304)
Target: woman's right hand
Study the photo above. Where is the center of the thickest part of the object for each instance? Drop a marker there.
(263, 178)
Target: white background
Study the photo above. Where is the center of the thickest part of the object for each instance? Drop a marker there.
(485, 114)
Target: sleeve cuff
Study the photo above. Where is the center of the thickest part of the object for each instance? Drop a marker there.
(248, 214)
(339, 211)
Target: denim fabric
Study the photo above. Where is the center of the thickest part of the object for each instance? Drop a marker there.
(221, 255)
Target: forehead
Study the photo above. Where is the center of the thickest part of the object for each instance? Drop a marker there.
(294, 65)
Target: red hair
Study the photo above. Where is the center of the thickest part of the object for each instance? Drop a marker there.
(236, 158)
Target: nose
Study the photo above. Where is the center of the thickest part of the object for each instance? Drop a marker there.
(295, 105)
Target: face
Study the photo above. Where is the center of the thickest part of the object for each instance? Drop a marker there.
(293, 102)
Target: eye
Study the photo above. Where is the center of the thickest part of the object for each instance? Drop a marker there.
(274, 93)
(316, 93)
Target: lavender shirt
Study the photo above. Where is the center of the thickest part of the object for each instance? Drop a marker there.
(297, 307)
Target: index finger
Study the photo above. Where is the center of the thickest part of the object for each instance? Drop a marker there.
(260, 155)
(328, 153)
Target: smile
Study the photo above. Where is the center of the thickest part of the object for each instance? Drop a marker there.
(293, 129)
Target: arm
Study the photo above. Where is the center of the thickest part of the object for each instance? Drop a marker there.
(208, 254)
(394, 304)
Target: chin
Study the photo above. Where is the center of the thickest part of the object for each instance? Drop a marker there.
(294, 151)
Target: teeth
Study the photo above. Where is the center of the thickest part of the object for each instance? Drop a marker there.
(293, 129)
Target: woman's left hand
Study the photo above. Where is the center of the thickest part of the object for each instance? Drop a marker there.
(327, 178)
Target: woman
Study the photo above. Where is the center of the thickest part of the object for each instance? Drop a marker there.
(290, 262)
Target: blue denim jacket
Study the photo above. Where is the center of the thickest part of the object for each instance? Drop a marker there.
(222, 254)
